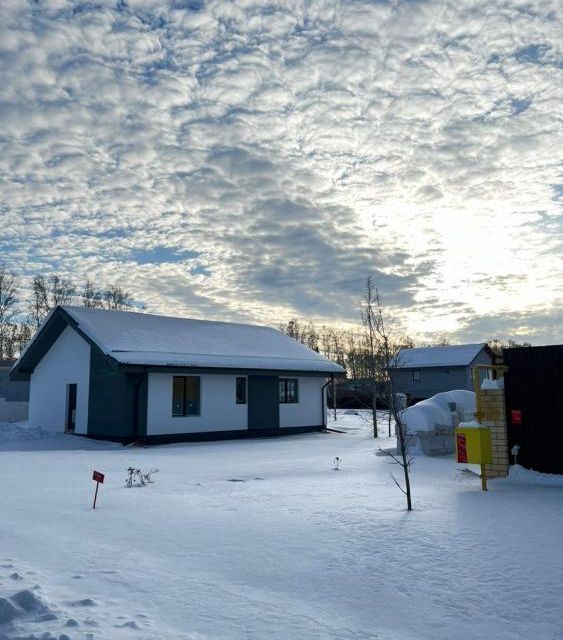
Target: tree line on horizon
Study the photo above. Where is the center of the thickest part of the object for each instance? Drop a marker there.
(351, 349)
(21, 316)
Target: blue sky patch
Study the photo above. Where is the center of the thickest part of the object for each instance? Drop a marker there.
(200, 270)
(160, 255)
(533, 53)
(519, 106)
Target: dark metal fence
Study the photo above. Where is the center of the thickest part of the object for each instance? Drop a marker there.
(534, 406)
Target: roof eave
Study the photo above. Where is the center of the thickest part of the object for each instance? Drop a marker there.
(166, 368)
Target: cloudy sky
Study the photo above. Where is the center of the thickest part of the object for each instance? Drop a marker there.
(256, 160)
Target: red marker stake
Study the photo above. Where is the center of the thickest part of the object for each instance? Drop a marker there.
(98, 477)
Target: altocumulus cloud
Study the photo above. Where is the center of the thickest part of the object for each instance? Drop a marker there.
(254, 160)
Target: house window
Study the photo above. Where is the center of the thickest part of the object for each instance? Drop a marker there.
(416, 376)
(288, 390)
(185, 395)
(241, 390)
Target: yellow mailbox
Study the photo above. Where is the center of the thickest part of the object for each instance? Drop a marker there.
(473, 443)
(473, 446)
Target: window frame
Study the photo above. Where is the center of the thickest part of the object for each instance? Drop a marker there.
(185, 412)
(284, 396)
(416, 377)
(244, 388)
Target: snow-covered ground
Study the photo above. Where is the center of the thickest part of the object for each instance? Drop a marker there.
(262, 539)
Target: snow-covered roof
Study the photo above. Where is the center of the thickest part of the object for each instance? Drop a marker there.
(460, 355)
(145, 339)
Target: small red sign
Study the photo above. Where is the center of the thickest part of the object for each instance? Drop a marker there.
(516, 416)
(461, 447)
(98, 477)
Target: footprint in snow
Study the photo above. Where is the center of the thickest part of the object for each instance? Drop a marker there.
(130, 624)
(90, 622)
(15, 576)
(85, 602)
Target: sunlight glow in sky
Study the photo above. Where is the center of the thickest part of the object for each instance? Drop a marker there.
(255, 161)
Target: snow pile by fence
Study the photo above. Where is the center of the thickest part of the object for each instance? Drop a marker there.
(430, 424)
(436, 411)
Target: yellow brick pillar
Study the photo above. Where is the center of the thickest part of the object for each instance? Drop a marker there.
(494, 416)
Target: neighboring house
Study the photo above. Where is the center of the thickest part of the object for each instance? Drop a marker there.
(422, 373)
(14, 396)
(128, 376)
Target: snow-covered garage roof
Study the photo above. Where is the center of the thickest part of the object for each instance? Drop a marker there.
(460, 355)
(143, 339)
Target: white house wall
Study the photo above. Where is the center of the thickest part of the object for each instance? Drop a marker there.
(307, 412)
(66, 362)
(218, 408)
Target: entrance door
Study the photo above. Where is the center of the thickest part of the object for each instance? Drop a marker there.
(70, 407)
(263, 402)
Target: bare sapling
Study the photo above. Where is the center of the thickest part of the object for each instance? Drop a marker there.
(388, 351)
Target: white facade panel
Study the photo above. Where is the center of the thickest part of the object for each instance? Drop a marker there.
(218, 408)
(66, 362)
(308, 411)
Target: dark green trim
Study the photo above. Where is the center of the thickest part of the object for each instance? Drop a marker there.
(227, 371)
(41, 343)
(116, 401)
(209, 436)
(142, 395)
(263, 403)
(44, 340)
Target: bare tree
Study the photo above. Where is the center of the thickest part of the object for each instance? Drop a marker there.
(38, 305)
(91, 295)
(8, 302)
(116, 299)
(17, 336)
(368, 311)
(62, 291)
(389, 353)
(47, 293)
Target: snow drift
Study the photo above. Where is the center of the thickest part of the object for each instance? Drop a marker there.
(436, 411)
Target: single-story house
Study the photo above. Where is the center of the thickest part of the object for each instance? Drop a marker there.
(129, 376)
(423, 372)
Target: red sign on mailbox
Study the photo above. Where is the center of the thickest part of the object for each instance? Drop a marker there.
(516, 416)
(461, 447)
(97, 476)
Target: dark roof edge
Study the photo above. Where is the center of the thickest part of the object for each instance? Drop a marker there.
(156, 368)
(43, 340)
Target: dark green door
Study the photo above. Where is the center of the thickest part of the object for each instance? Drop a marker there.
(263, 402)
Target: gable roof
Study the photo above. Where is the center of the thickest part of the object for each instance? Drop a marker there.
(461, 355)
(131, 338)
